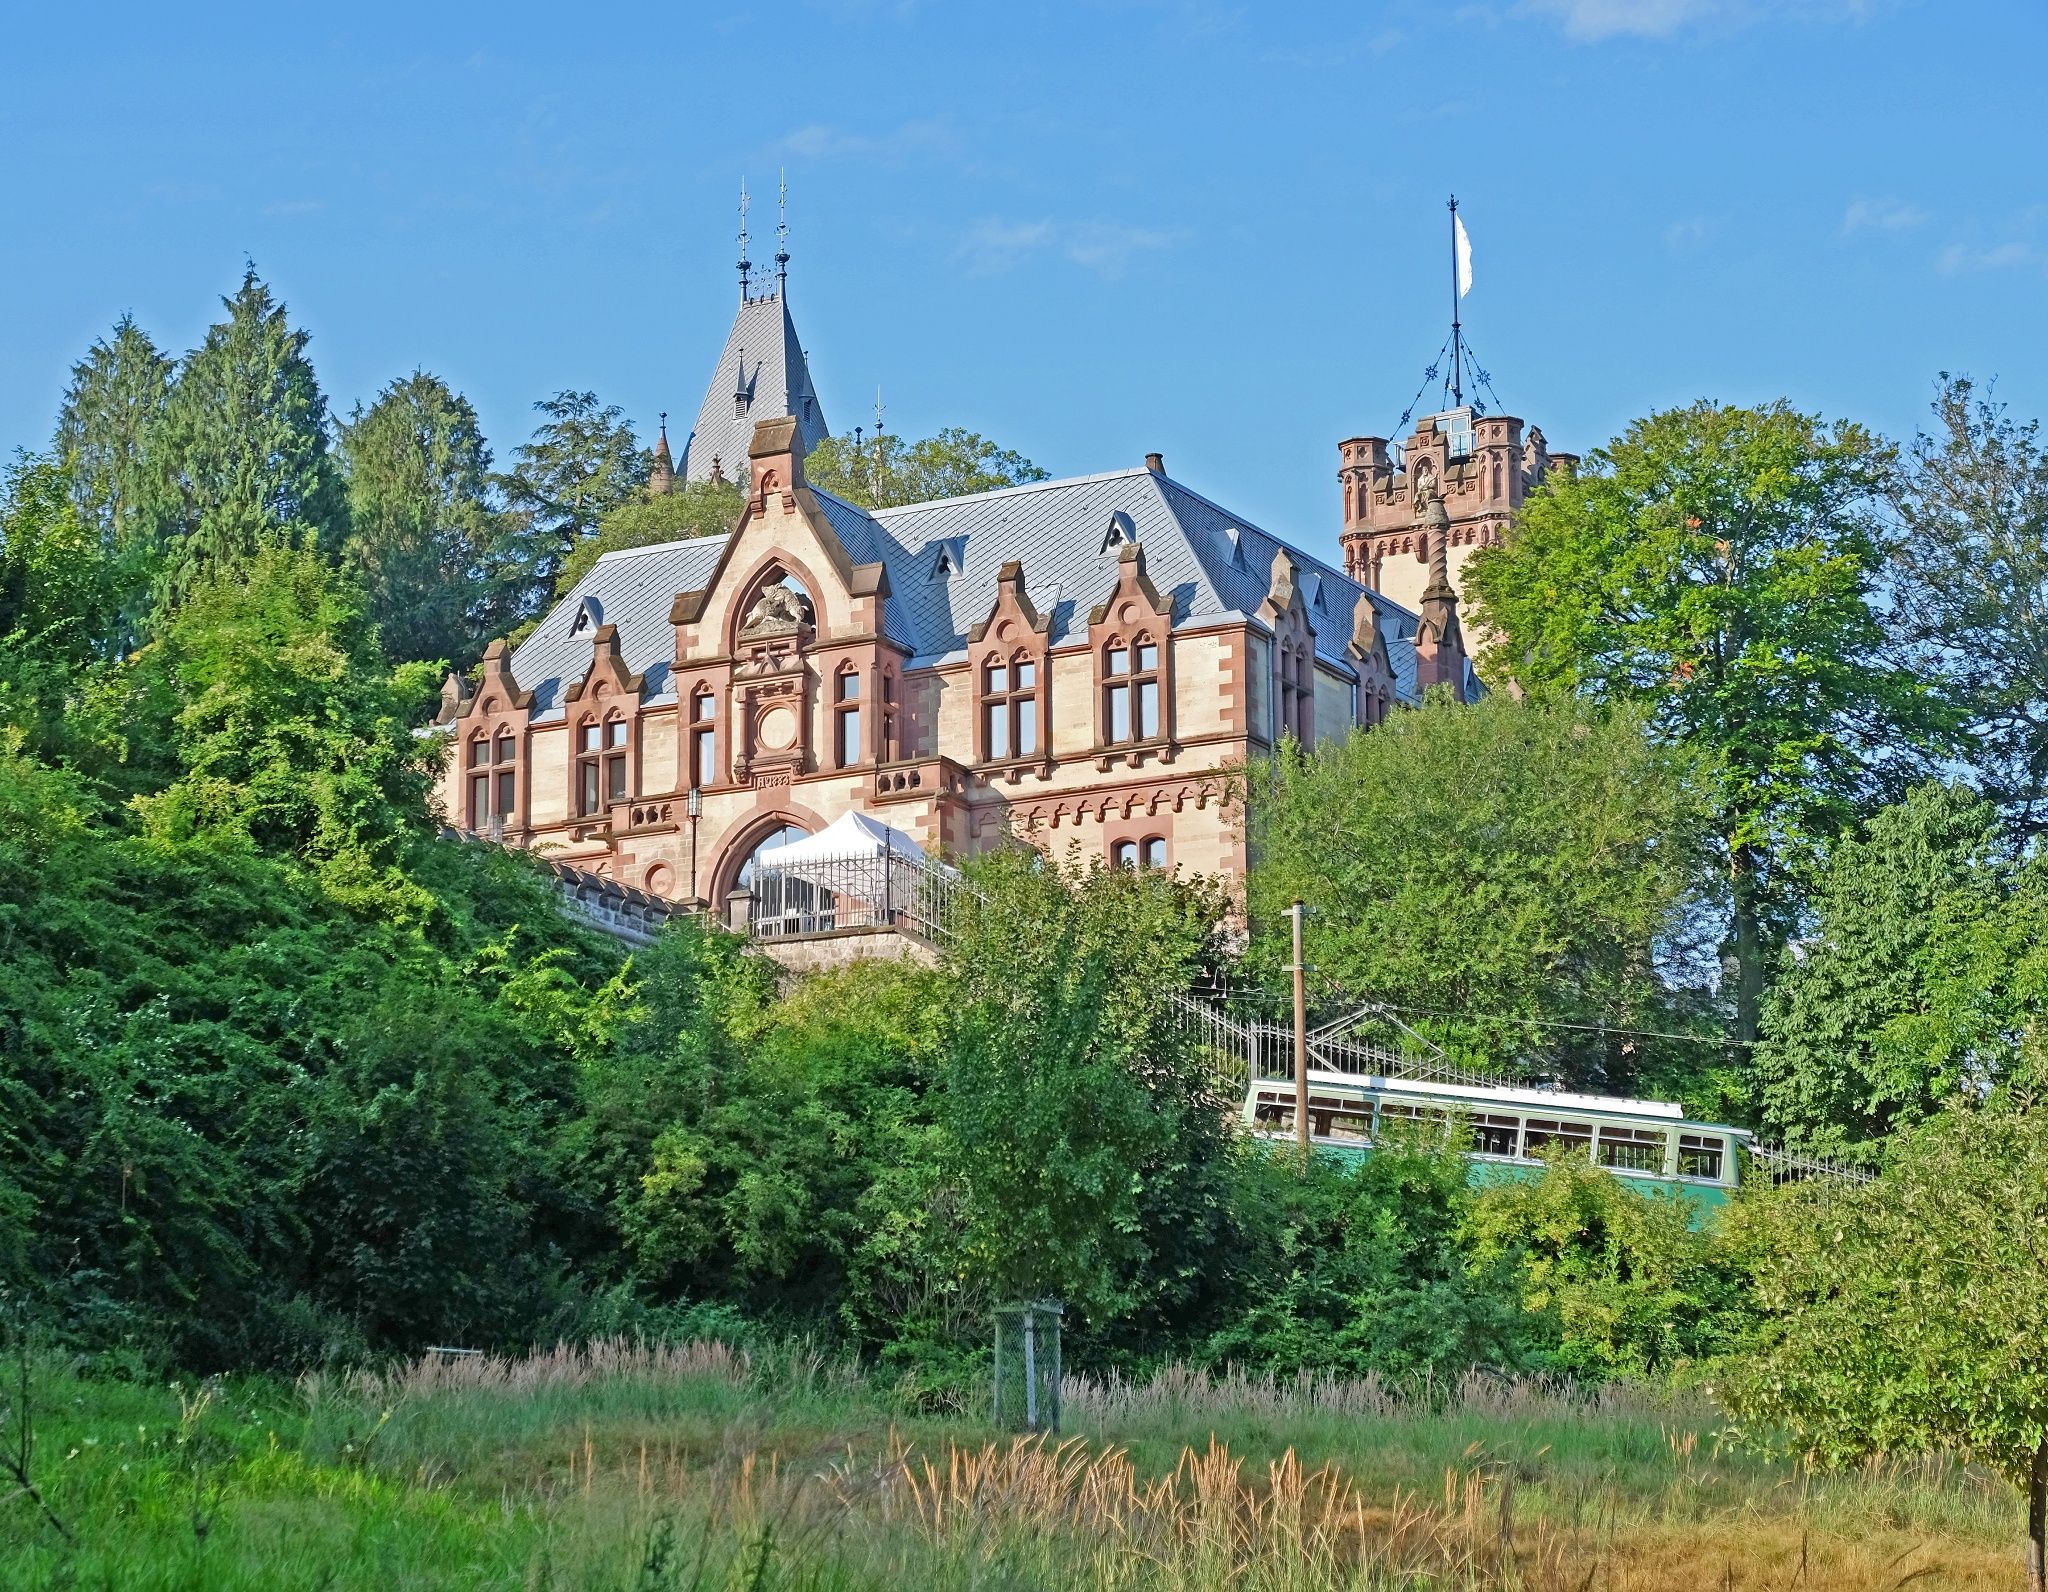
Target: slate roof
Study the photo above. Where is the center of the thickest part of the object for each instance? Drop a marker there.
(763, 355)
(1212, 565)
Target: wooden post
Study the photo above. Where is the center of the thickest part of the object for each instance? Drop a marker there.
(1300, 972)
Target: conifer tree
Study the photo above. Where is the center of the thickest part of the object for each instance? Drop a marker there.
(581, 463)
(108, 443)
(244, 440)
(422, 524)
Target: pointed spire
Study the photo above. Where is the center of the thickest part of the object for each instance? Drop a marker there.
(782, 236)
(661, 480)
(746, 265)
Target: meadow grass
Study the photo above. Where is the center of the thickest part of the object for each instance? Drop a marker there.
(617, 1465)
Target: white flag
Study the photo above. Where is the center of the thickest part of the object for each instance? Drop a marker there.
(1464, 243)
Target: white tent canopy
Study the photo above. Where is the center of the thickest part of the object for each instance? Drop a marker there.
(853, 837)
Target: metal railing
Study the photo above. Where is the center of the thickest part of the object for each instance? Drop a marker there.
(906, 894)
(923, 900)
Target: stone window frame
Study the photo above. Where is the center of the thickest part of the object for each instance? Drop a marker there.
(1128, 681)
(1012, 704)
(847, 708)
(1133, 611)
(1140, 850)
(586, 766)
(699, 730)
(1014, 631)
(616, 750)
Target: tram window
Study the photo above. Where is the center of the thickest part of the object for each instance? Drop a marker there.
(1353, 1126)
(1495, 1135)
(1396, 1116)
(1632, 1149)
(1566, 1136)
(1700, 1155)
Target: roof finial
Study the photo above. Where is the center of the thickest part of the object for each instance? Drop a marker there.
(664, 428)
(746, 265)
(782, 235)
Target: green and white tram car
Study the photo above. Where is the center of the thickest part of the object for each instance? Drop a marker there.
(1511, 1132)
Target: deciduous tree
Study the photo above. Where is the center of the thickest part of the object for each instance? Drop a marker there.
(882, 471)
(1500, 868)
(1904, 994)
(1973, 584)
(1720, 567)
(694, 508)
(1080, 1121)
(1904, 1314)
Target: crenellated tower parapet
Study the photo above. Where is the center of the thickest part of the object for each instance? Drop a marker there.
(1478, 466)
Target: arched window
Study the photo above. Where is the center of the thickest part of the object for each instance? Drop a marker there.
(1152, 852)
(703, 739)
(1009, 707)
(1124, 854)
(846, 715)
(1130, 674)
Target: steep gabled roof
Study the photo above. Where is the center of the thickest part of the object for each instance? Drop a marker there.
(1211, 565)
(763, 359)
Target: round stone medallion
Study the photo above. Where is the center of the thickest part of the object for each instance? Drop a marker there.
(778, 728)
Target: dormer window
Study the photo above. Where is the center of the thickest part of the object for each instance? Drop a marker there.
(588, 616)
(942, 563)
(1121, 533)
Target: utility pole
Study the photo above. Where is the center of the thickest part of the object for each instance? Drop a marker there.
(1300, 972)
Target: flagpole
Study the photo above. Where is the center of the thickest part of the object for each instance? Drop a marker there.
(1457, 333)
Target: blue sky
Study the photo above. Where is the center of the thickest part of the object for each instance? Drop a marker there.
(1210, 229)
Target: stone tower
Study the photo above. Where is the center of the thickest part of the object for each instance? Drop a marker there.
(1477, 467)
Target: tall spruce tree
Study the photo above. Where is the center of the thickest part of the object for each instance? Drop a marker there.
(422, 523)
(109, 445)
(581, 462)
(245, 445)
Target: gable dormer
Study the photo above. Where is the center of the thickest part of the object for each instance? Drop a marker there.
(1367, 650)
(1286, 611)
(1130, 638)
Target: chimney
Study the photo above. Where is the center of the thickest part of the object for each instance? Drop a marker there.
(1156, 463)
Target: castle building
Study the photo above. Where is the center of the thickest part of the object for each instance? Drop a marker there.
(1077, 662)
(1478, 466)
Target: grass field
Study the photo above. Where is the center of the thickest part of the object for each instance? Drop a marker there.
(618, 1466)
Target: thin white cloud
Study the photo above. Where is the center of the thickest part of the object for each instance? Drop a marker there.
(823, 141)
(1104, 247)
(1881, 215)
(1593, 21)
(1962, 259)
(1689, 233)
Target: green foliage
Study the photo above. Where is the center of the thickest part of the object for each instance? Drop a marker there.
(1630, 1286)
(1085, 1140)
(1972, 587)
(693, 508)
(423, 531)
(244, 441)
(1914, 986)
(581, 463)
(288, 732)
(1520, 860)
(884, 470)
(1366, 1270)
(1902, 1314)
(1719, 567)
(108, 445)
(59, 591)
